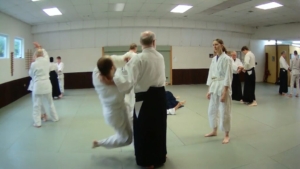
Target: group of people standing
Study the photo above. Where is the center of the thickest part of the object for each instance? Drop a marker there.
(47, 83)
(131, 89)
(294, 69)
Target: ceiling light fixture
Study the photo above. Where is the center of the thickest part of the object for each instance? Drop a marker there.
(181, 8)
(35, 0)
(273, 42)
(296, 41)
(269, 6)
(119, 7)
(52, 11)
(296, 45)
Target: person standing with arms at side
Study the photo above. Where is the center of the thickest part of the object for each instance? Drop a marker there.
(250, 77)
(283, 75)
(54, 79)
(236, 82)
(295, 67)
(219, 91)
(61, 78)
(147, 71)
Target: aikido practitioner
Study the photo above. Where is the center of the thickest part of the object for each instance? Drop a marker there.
(219, 91)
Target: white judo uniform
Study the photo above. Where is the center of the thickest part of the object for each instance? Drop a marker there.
(295, 74)
(121, 69)
(61, 77)
(220, 75)
(114, 112)
(42, 89)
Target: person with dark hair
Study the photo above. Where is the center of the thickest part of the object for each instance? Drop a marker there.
(283, 76)
(147, 76)
(54, 79)
(113, 105)
(295, 73)
(61, 77)
(250, 77)
(219, 91)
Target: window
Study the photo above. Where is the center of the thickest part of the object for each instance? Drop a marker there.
(18, 44)
(3, 46)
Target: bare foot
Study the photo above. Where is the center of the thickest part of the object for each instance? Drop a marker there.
(36, 126)
(254, 103)
(212, 134)
(95, 144)
(182, 103)
(60, 96)
(44, 117)
(226, 140)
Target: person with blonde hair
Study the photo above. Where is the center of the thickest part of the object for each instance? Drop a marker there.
(219, 91)
(236, 82)
(42, 89)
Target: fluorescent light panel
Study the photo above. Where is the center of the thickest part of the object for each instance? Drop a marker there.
(269, 6)
(181, 8)
(296, 41)
(52, 11)
(273, 42)
(119, 7)
(296, 45)
(35, 0)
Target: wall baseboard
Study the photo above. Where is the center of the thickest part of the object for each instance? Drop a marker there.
(193, 76)
(79, 80)
(13, 90)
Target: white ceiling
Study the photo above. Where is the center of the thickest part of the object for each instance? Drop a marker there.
(75, 10)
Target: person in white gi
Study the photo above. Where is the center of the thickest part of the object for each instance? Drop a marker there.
(120, 65)
(113, 103)
(295, 73)
(250, 77)
(219, 92)
(60, 73)
(30, 88)
(147, 75)
(42, 89)
(237, 67)
(283, 75)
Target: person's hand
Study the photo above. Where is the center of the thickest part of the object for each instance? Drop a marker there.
(36, 45)
(105, 80)
(127, 58)
(223, 97)
(208, 96)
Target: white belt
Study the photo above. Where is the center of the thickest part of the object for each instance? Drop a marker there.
(217, 79)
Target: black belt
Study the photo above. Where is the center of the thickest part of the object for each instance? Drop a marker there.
(140, 96)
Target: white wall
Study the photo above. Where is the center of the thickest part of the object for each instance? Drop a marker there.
(14, 28)
(81, 42)
(258, 49)
(279, 32)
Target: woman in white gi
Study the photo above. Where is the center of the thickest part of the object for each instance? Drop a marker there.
(219, 91)
(39, 72)
(114, 107)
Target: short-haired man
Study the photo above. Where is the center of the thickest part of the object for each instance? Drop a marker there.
(250, 77)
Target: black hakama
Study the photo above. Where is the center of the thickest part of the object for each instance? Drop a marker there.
(249, 86)
(283, 81)
(171, 100)
(150, 128)
(236, 88)
(55, 85)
